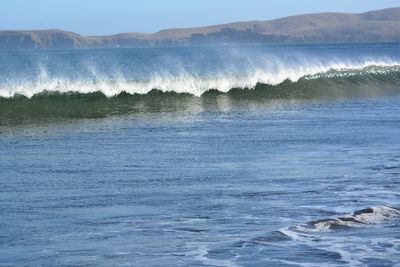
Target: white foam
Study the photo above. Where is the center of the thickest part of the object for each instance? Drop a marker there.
(201, 255)
(379, 215)
(370, 216)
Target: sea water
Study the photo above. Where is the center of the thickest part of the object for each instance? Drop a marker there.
(213, 156)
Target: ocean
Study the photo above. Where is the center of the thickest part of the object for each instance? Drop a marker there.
(201, 156)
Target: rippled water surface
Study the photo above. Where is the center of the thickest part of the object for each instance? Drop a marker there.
(248, 179)
(233, 187)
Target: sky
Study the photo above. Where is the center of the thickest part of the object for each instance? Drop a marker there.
(101, 17)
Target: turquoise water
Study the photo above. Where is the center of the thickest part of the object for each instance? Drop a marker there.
(302, 173)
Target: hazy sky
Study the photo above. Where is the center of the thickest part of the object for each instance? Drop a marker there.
(114, 16)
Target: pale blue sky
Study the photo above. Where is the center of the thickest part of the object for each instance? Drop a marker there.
(114, 16)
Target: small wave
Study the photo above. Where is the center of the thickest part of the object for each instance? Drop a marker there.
(342, 247)
(369, 216)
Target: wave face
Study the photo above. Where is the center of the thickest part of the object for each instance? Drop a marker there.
(98, 83)
(192, 70)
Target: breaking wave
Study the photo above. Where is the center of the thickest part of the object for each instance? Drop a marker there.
(369, 216)
(369, 73)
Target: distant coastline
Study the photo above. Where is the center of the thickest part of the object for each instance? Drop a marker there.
(374, 26)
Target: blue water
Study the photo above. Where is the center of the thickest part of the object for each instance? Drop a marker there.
(222, 180)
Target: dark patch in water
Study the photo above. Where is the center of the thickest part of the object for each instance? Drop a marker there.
(367, 210)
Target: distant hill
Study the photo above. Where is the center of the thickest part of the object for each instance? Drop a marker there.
(374, 26)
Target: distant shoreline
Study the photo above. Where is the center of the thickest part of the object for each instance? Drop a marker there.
(381, 26)
(205, 46)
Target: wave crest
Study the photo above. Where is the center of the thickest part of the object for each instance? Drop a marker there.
(198, 85)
